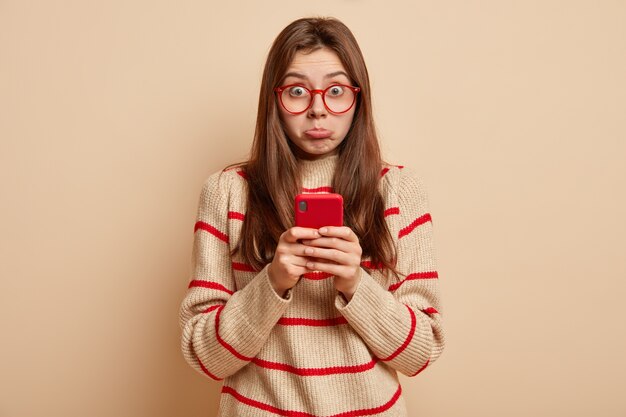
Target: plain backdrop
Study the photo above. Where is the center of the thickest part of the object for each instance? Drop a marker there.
(113, 113)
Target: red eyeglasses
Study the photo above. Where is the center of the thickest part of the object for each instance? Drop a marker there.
(337, 98)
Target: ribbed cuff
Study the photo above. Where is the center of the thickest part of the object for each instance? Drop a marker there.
(375, 314)
(257, 308)
(364, 292)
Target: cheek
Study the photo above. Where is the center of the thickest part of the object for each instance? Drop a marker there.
(346, 122)
(292, 124)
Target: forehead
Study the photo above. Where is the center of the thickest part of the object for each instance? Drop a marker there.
(317, 63)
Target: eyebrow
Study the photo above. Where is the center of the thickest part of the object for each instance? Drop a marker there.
(302, 76)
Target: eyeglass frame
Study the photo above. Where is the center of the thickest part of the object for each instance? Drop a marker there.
(280, 90)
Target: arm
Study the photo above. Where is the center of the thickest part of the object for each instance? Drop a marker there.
(402, 325)
(223, 328)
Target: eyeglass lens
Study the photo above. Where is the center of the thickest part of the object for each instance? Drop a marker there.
(297, 99)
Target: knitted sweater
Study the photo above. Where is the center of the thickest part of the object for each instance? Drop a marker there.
(312, 353)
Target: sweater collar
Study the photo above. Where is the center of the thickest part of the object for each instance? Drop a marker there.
(319, 172)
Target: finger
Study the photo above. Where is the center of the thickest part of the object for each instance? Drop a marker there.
(292, 265)
(316, 260)
(299, 261)
(298, 258)
(293, 234)
(289, 249)
(343, 232)
(332, 243)
(331, 268)
(299, 270)
(333, 255)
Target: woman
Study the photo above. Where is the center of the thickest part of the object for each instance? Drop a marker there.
(312, 322)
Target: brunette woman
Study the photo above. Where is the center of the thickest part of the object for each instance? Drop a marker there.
(313, 322)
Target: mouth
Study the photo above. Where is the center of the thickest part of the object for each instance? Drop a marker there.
(318, 133)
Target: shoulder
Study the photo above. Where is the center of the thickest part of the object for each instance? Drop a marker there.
(400, 179)
(225, 179)
(402, 185)
(223, 186)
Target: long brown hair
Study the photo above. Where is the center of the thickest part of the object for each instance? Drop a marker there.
(273, 172)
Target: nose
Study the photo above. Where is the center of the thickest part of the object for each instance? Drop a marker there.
(317, 109)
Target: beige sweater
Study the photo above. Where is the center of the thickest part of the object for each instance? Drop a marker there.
(311, 354)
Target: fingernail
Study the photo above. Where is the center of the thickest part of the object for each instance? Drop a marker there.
(323, 230)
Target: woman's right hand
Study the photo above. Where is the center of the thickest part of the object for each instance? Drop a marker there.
(289, 261)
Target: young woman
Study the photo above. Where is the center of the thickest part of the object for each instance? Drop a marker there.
(312, 322)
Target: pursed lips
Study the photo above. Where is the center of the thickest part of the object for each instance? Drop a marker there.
(318, 133)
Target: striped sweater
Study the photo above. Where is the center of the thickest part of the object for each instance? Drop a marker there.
(312, 353)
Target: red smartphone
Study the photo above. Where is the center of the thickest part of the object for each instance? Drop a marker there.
(319, 210)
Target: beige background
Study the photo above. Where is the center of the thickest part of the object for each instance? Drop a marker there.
(113, 113)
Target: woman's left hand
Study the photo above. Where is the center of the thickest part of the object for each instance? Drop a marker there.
(336, 252)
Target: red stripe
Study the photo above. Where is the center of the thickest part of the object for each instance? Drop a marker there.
(332, 370)
(316, 275)
(422, 368)
(215, 307)
(301, 321)
(370, 265)
(237, 266)
(386, 169)
(392, 210)
(408, 338)
(210, 229)
(318, 190)
(288, 413)
(206, 371)
(223, 342)
(236, 215)
(242, 174)
(420, 220)
(209, 284)
(430, 310)
(417, 275)
(262, 406)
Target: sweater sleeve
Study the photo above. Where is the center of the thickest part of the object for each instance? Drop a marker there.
(402, 324)
(223, 328)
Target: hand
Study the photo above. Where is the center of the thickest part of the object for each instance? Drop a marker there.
(289, 261)
(336, 252)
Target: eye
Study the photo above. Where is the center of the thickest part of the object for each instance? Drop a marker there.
(335, 91)
(297, 91)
